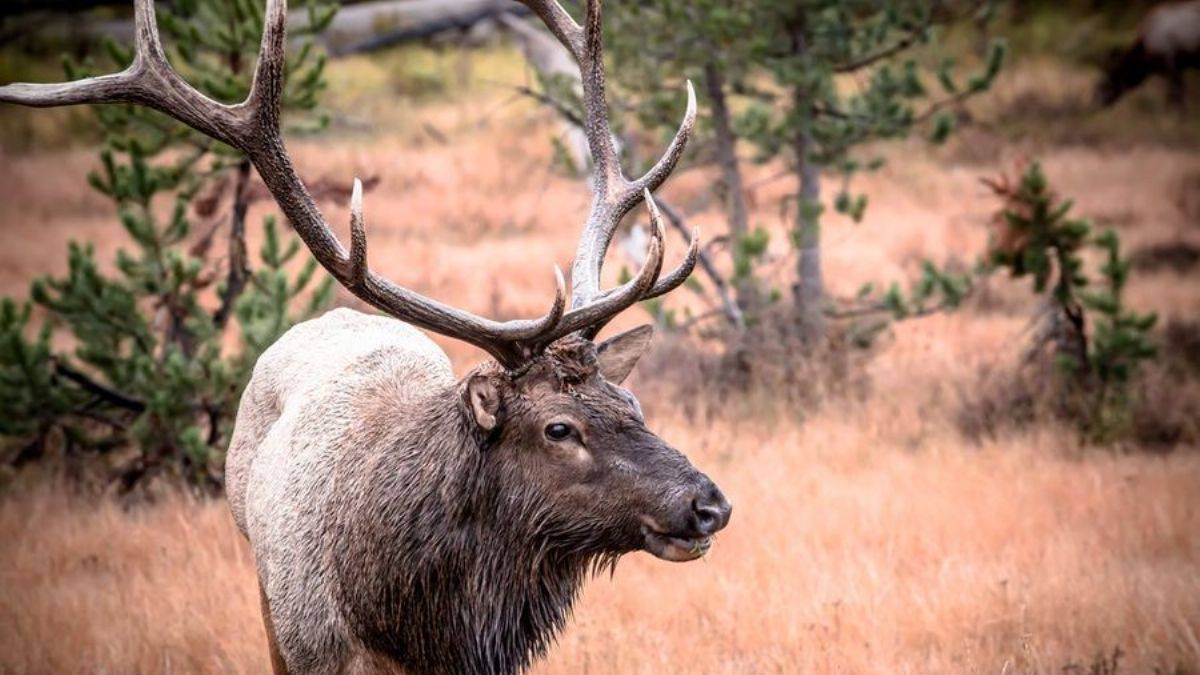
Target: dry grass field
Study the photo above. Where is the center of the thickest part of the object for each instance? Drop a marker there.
(862, 543)
(869, 535)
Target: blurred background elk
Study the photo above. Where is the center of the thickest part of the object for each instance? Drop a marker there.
(939, 344)
(1167, 44)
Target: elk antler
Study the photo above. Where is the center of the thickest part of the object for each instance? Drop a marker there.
(614, 195)
(252, 127)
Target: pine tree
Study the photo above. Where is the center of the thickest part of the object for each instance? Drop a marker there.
(775, 74)
(148, 368)
(703, 41)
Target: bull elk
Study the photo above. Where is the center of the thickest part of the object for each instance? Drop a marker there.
(402, 520)
(1168, 43)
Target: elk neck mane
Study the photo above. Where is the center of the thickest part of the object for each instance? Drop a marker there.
(444, 563)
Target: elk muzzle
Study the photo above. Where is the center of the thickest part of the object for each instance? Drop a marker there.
(700, 512)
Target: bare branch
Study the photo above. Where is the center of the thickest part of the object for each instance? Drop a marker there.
(939, 105)
(728, 305)
(563, 111)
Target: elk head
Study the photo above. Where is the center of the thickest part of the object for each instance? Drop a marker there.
(566, 434)
(550, 405)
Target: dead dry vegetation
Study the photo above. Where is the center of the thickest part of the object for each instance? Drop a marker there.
(871, 534)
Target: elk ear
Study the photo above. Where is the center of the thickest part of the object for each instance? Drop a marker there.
(617, 355)
(483, 397)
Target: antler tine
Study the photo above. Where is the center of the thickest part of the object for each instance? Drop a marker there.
(608, 210)
(560, 24)
(606, 166)
(145, 32)
(677, 276)
(358, 238)
(680, 274)
(148, 81)
(665, 284)
(266, 91)
(591, 317)
(658, 173)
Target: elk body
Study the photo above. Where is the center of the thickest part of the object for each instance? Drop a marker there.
(403, 520)
(402, 517)
(1168, 44)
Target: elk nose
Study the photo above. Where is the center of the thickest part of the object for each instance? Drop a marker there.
(710, 511)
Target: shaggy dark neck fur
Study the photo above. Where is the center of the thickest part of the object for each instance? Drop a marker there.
(463, 571)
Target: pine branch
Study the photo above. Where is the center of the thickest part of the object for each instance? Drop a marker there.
(102, 419)
(900, 45)
(106, 393)
(883, 308)
(938, 106)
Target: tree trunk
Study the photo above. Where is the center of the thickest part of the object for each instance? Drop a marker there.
(809, 292)
(745, 288)
(238, 261)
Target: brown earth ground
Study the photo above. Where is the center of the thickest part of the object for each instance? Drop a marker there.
(870, 536)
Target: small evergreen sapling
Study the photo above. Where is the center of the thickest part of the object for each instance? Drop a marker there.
(147, 360)
(1098, 342)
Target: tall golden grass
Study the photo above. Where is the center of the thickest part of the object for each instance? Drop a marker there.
(869, 535)
(862, 543)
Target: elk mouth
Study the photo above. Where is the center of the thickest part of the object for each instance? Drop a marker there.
(675, 548)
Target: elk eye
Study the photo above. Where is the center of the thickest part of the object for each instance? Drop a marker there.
(558, 431)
